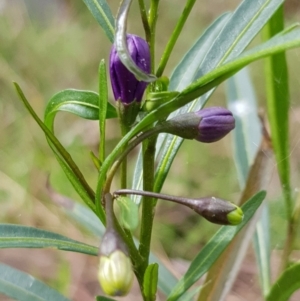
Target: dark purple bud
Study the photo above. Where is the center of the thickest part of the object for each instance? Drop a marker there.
(206, 125)
(125, 86)
(216, 122)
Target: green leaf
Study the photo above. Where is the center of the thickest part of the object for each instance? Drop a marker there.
(15, 236)
(214, 248)
(246, 140)
(102, 13)
(82, 103)
(277, 44)
(150, 282)
(261, 242)
(63, 157)
(129, 212)
(286, 285)
(186, 71)
(23, 287)
(104, 107)
(247, 136)
(278, 101)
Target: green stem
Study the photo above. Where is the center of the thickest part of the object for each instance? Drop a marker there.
(152, 24)
(119, 159)
(145, 19)
(174, 37)
(148, 203)
(123, 184)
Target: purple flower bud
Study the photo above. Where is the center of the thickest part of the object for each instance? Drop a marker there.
(206, 125)
(216, 122)
(125, 86)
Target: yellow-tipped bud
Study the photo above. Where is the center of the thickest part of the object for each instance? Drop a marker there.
(236, 216)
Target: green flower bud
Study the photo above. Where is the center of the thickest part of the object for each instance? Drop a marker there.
(115, 272)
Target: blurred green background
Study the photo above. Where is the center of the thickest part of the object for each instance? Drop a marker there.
(47, 46)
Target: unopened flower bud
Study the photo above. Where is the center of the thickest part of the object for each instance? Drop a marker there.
(213, 209)
(218, 211)
(115, 272)
(125, 86)
(206, 125)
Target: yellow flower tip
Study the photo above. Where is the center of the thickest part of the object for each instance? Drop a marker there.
(236, 216)
(115, 274)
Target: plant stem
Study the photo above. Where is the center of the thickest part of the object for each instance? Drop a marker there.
(118, 160)
(144, 19)
(148, 203)
(124, 130)
(171, 43)
(103, 100)
(152, 24)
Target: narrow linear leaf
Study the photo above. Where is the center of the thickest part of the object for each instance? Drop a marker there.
(247, 136)
(277, 88)
(286, 285)
(65, 160)
(277, 44)
(102, 13)
(246, 139)
(246, 22)
(104, 108)
(15, 236)
(214, 248)
(150, 282)
(23, 287)
(261, 242)
(82, 103)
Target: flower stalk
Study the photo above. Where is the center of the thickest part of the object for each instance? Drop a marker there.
(213, 209)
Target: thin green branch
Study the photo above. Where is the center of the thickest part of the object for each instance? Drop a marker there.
(173, 39)
(144, 19)
(148, 203)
